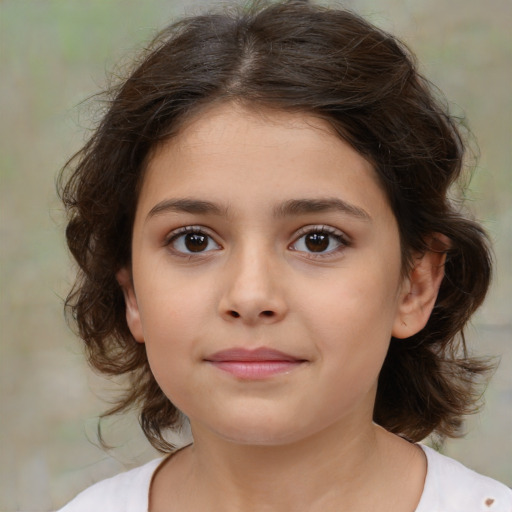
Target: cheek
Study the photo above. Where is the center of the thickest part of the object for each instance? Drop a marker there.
(179, 318)
(351, 303)
(170, 343)
(173, 318)
(351, 322)
(171, 302)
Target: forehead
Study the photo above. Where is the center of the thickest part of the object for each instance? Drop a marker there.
(230, 154)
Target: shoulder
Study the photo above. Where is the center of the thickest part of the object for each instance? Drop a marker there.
(452, 487)
(126, 492)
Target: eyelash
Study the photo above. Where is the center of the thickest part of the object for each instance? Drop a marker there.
(333, 233)
(186, 230)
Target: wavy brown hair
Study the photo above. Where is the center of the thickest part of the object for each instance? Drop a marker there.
(296, 57)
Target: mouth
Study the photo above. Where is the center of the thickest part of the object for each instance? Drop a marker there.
(255, 364)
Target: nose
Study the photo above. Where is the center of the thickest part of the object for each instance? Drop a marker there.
(253, 291)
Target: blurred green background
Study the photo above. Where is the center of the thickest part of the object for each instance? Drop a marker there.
(53, 55)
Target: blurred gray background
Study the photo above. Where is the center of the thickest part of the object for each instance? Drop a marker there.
(53, 55)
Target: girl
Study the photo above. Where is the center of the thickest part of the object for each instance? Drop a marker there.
(268, 248)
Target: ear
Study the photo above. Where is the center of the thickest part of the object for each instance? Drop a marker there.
(124, 278)
(420, 288)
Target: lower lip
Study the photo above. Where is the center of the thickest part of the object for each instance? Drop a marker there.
(254, 370)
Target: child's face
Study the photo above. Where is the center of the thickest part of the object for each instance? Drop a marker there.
(292, 247)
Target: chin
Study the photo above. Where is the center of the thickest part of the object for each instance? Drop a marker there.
(260, 431)
(260, 437)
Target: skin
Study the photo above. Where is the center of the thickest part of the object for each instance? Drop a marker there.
(302, 439)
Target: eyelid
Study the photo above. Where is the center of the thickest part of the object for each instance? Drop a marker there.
(343, 239)
(326, 228)
(184, 230)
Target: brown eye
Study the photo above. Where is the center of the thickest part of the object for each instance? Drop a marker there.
(187, 242)
(317, 242)
(196, 242)
(320, 241)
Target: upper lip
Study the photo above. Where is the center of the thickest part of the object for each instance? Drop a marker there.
(258, 354)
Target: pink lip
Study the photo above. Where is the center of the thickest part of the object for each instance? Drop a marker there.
(254, 364)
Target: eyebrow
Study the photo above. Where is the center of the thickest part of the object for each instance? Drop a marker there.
(286, 209)
(305, 206)
(186, 206)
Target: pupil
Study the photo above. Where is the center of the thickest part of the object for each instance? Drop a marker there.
(317, 242)
(196, 242)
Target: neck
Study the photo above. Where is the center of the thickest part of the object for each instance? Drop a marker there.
(357, 470)
(261, 463)
(280, 478)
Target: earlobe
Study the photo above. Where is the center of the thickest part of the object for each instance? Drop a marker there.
(124, 278)
(420, 289)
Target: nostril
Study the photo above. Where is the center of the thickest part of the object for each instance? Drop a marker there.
(267, 313)
(234, 314)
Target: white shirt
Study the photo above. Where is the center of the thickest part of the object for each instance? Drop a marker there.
(449, 487)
